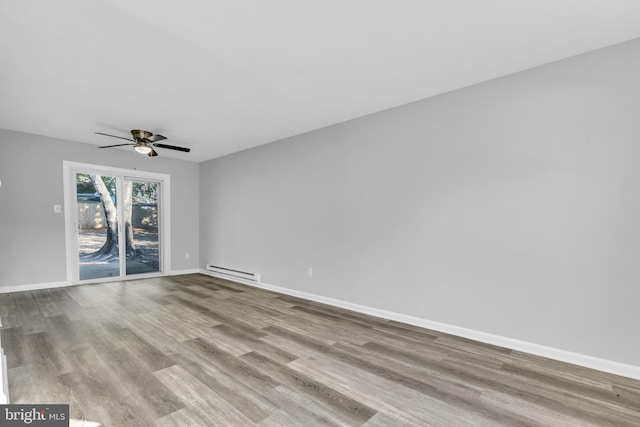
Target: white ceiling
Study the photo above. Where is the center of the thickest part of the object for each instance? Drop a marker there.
(222, 76)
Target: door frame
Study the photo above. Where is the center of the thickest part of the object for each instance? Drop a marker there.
(71, 217)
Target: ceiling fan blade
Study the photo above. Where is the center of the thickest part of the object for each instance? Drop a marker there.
(156, 138)
(114, 136)
(172, 147)
(115, 145)
(152, 153)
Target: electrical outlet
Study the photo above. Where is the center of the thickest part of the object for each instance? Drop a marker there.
(57, 208)
(309, 272)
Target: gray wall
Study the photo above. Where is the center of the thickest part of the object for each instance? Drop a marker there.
(32, 236)
(510, 207)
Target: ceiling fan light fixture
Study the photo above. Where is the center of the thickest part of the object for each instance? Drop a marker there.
(142, 149)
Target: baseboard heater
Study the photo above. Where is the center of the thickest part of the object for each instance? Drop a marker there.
(254, 277)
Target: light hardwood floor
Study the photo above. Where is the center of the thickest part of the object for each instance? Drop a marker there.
(200, 351)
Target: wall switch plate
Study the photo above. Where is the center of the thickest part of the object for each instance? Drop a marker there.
(57, 208)
(309, 272)
(187, 255)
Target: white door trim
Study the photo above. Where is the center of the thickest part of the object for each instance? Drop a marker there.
(70, 214)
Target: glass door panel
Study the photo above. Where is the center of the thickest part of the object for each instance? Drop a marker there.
(141, 221)
(114, 222)
(97, 226)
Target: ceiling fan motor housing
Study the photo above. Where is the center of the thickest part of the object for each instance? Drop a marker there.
(141, 135)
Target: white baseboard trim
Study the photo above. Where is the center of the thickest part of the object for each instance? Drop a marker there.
(33, 287)
(612, 367)
(4, 379)
(180, 272)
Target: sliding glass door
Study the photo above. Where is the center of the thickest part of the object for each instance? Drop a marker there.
(117, 228)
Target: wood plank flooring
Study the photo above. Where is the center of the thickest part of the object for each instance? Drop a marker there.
(199, 351)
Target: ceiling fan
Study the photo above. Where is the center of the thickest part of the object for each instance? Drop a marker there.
(143, 142)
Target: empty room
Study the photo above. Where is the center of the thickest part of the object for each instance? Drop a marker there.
(300, 213)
